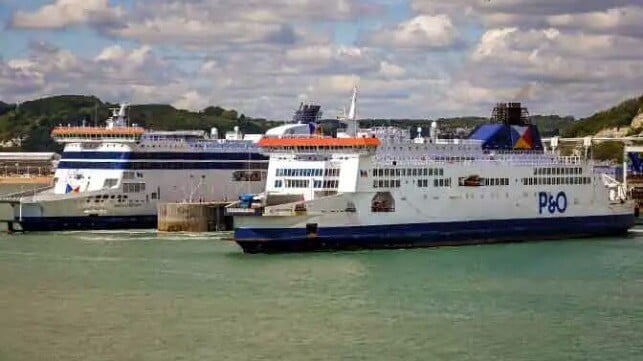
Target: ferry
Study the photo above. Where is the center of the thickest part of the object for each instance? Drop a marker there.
(380, 188)
(112, 177)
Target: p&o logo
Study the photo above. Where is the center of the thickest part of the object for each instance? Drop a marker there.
(552, 204)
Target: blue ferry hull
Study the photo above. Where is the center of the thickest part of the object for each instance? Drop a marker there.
(275, 240)
(29, 224)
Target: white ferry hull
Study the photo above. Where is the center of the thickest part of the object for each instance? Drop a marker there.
(262, 238)
(452, 217)
(102, 209)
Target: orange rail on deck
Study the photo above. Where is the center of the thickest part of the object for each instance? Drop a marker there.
(318, 142)
(96, 130)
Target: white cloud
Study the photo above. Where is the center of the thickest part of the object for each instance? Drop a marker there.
(204, 32)
(423, 31)
(263, 56)
(523, 13)
(191, 100)
(389, 70)
(63, 13)
(624, 20)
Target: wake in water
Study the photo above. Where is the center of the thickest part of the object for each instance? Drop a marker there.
(144, 235)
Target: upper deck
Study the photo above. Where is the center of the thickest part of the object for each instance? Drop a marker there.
(319, 144)
(96, 134)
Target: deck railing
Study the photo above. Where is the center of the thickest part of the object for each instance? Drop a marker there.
(17, 195)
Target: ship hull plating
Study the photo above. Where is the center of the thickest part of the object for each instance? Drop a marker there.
(300, 239)
(83, 223)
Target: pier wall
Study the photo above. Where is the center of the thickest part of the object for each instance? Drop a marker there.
(193, 217)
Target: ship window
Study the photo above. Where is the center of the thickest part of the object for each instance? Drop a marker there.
(375, 184)
(435, 182)
(153, 196)
(430, 171)
(133, 187)
(425, 171)
(397, 183)
(383, 202)
(415, 172)
(110, 182)
(278, 183)
(397, 172)
(297, 183)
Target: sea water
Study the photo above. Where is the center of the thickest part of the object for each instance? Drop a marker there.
(141, 295)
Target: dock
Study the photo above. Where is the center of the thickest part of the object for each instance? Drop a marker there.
(193, 217)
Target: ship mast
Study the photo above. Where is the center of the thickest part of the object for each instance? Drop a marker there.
(351, 128)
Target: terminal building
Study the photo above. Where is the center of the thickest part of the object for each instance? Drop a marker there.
(28, 164)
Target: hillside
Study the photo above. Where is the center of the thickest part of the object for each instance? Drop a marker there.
(5, 108)
(618, 119)
(28, 125)
(32, 121)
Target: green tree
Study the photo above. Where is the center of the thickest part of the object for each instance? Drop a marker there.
(608, 151)
(215, 111)
(229, 114)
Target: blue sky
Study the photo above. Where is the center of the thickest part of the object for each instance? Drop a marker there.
(411, 58)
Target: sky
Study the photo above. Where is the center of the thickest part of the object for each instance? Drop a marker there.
(419, 59)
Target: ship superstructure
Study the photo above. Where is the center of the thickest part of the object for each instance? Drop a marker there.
(379, 188)
(113, 176)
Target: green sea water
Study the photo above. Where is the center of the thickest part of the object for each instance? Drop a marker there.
(147, 296)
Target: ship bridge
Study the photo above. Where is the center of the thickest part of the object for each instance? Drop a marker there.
(116, 130)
